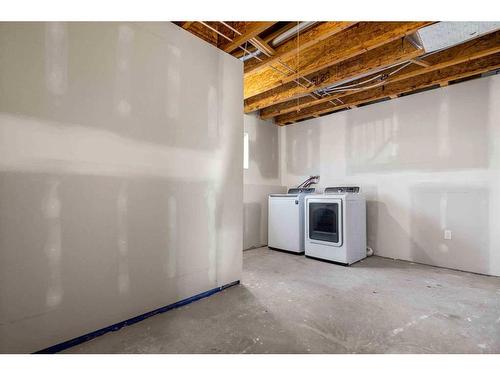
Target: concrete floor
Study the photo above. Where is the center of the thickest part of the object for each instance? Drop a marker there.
(291, 304)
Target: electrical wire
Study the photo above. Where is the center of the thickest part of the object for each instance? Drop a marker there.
(255, 56)
(246, 51)
(322, 92)
(354, 87)
(226, 37)
(326, 91)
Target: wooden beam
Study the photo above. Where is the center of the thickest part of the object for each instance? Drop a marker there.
(394, 52)
(281, 30)
(444, 84)
(375, 60)
(202, 32)
(262, 46)
(420, 62)
(308, 38)
(468, 51)
(239, 52)
(363, 37)
(458, 71)
(248, 31)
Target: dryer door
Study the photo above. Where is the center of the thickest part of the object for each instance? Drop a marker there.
(325, 221)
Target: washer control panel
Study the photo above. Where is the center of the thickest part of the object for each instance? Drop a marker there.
(301, 190)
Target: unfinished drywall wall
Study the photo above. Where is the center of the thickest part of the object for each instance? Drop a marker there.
(260, 179)
(428, 163)
(121, 184)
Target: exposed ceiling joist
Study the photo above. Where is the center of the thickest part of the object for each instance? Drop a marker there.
(432, 78)
(362, 38)
(268, 38)
(392, 53)
(247, 31)
(289, 48)
(341, 65)
(201, 31)
(471, 50)
(262, 46)
(420, 62)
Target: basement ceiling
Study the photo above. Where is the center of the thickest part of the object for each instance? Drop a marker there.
(295, 71)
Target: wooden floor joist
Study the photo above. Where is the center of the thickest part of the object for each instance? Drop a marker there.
(420, 62)
(380, 58)
(307, 39)
(262, 46)
(469, 51)
(247, 30)
(436, 77)
(268, 39)
(201, 31)
(338, 65)
(363, 37)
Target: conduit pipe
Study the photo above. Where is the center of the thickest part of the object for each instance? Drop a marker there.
(291, 32)
(281, 38)
(355, 86)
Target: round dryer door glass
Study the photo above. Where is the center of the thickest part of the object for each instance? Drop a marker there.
(323, 222)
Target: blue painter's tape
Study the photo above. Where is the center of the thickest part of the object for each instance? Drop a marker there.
(115, 327)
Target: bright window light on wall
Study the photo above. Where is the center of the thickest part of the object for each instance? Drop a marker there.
(245, 150)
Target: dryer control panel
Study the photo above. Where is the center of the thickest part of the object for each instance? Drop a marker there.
(341, 189)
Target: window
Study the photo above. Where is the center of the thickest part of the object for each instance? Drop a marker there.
(245, 150)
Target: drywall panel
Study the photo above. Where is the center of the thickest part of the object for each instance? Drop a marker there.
(121, 185)
(260, 179)
(429, 165)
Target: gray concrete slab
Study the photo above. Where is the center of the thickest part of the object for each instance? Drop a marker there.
(291, 304)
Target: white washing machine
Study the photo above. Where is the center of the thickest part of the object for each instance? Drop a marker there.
(286, 220)
(335, 225)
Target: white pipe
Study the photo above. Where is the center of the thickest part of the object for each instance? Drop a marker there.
(291, 32)
(250, 55)
(282, 37)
